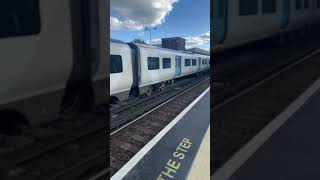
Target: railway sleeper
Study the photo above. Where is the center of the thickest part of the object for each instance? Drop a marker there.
(139, 138)
(126, 146)
(145, 130)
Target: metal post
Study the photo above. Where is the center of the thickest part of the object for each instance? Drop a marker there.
(150, 29)
(150, 36)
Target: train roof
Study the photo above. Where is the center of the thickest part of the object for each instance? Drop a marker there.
(156, 47)
(117, 41)
(166, 49)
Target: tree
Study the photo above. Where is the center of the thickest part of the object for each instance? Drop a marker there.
(140, 41)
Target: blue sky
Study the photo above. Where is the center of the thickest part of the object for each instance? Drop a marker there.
(184, 18)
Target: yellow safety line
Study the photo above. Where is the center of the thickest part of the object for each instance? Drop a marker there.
(200, 169)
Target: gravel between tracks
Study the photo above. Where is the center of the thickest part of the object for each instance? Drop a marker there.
(126, 143)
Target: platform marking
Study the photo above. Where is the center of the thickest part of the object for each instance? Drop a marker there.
(200, 168)
(237, 160)
(136, 158)
(266, 79)
(172, 167)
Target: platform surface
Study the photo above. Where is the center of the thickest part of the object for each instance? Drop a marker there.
(292, 152)
(173, 155)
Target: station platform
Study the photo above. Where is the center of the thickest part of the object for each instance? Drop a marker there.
(288, 148)
(180, 151)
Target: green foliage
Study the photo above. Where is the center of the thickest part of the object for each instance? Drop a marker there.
(140, 41)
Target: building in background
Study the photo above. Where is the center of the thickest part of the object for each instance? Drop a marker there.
(176, 43)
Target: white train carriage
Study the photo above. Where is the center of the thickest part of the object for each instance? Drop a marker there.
(42, 53)
(157, 67)
(205, 62)
(191, 64)
(314, 15)
(298, 13)
(121, 69)
(247, 22)
(243, 21)
(141, 69)
(195, 63)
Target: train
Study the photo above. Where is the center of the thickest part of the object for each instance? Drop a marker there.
(139, 69)
(53, 59)
(237, 22)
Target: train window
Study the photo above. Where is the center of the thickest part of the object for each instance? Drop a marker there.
(19, 17)
(306, 4)
(194, 62)
(116, 64)
(269, 6)
(187, 62)
(166, 63)
(248, 7)
(298, 4)
(153, 63)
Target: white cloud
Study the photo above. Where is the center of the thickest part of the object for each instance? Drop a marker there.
(193, 41)
(117, 24)
(156, 41)
(199, 40)
(136, 14)
(207, 48)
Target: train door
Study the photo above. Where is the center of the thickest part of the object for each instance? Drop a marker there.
(285, 13)
(87, 82)
(199, 63)
(220, 9)
(178, 65)
(98, 45)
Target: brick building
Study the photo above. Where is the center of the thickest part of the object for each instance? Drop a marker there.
(176, 43)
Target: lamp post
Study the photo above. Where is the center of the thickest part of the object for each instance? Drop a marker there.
(150, 29)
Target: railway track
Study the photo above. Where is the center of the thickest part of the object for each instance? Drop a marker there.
(126, 141)
(239, 68)
(238, 117)
(123, 116)
(66, 149)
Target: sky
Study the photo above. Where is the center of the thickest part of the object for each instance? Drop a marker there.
(189, 19)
